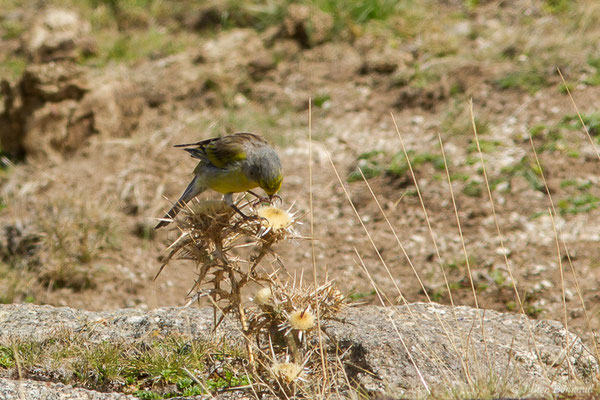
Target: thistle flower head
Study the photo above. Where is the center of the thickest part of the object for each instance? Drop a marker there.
(302, 320)
(275, 218)
(263, 296)
(287, 371)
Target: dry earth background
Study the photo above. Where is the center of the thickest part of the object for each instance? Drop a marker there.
(96, 93)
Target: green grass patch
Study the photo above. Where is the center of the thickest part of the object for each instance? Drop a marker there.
(152, 370)
(460, 264)
(565, 89)
(360, 295)
(422, 78)
(369, 169)
(7, 358)
(580, 203)
(538, 130)
(471, 4)
(486, 146)
(12, 67)
(511, 305)
(591, 121)
(457, 176)
(473, 189)
(399, 165)
(256, 14)
(136, 45)
(527, 169)
(349, 13)
(532, 311)
(594, 79)
(11, 28)
(551, 136)
(321, 99)
(377, 162)
(530, 80)
(558, 6)
(580, 185)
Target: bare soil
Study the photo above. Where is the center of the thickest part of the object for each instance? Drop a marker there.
(225, 82)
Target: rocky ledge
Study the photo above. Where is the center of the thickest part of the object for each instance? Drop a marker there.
(393, 350)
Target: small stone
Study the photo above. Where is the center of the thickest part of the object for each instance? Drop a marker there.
(538, 269)
(503, 251)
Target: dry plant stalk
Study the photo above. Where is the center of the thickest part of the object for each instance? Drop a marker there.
(227, 249)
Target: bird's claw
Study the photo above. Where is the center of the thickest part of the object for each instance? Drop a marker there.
(268, 200)
(256, 217)
(264, 199)
(259, 201)
(277, 197)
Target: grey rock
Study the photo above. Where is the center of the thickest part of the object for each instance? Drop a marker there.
(37, 323)
(393, 351)
(444, 344)
(33, 390)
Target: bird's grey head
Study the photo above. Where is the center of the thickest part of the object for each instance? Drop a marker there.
(264, 167)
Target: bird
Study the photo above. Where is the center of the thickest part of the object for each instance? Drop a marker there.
(230, 164)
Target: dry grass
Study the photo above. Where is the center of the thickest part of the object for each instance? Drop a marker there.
(74, 235)
(62, 248)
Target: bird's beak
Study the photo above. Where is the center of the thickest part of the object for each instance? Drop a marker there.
(271, 198)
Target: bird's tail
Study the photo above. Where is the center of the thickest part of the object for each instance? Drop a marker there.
(193, 190)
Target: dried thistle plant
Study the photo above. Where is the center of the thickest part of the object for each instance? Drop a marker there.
(284, 322)
(288, 313)
(227, 249)
(209, 231)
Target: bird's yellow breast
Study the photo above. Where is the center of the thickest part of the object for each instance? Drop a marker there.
(231, 182)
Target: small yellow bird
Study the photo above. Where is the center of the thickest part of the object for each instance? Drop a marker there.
(230, 164)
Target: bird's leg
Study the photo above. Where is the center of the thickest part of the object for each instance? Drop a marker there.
(228, 199)
(254, 194)
(259, 199)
